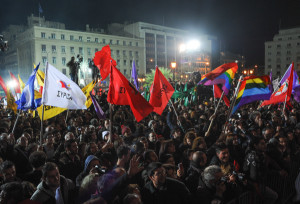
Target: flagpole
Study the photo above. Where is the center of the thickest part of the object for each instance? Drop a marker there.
(43, 95)
(13, 130)
(67, 116)
(212, 120)
(110, 108)
(233, 103)
(41, 132)
(284, 104)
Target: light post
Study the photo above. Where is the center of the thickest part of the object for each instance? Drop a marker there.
(207, 63)
(173, 66)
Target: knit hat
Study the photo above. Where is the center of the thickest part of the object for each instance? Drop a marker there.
(88, 161)
(124, 129)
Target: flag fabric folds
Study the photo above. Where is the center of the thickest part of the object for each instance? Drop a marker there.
(296, 87)
(161, 92)
(2, 84)
(253, 88)
(223, 74)
(134, 76)
(16, 81)
(60, 91)
(87, 90)
(98, 109)
(26, 100)
(218, 93)
(22, 85)
(103, 60)
(121, 92)
(285, 90)
(11, 103)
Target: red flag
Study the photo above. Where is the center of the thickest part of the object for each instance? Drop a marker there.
(218, 93)
(102, 61)
(283, 92)
(161, 92)
(2, 84)
(121, 92)
(17, 87)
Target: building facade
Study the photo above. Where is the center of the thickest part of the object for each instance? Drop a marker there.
(282, 51)
(42, 41)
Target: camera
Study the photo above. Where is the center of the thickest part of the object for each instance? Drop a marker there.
(239, 176)
(100, 170)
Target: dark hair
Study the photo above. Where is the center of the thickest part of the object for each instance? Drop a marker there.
(68, 143)
(152, 167)
(6, 165)
(49, 166)
(37, 159)
(164, 147)
(255, 141)
(163, 158)
(12, 191)
(122, 151)
(220, 147)
(146, 155)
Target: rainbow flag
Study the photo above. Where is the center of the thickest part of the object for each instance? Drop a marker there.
(223, 74)
(253, 88)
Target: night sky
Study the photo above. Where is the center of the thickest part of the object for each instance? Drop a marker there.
(242, 26)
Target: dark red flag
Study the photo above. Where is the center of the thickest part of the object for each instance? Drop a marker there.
(218, 93)
(121, 92)
(161, 92)
(16, 81)
(2, 84)
(102, 61)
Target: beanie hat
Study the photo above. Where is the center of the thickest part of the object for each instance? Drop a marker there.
(124, 129)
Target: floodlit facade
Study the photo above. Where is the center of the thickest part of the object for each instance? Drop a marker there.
(282, 51)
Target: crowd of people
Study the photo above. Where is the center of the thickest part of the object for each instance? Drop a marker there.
(162, 159)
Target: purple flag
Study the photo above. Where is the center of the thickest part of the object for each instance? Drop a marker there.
(134, 75)
(296, 87)
(271, 84)
(98, 109)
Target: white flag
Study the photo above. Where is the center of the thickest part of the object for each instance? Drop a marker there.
(60, 91)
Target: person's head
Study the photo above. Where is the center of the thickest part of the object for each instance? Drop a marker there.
(8, 171)
(126, 132)
(212, 175)
(37, 159)
(51, 175)
(222, 152)
(156, 173)
(167, 147)
(268, 133)
(71, 147)
(170, 170)
(199, 158)
(11, 193)
(152, 137)
(23, 142)
(258, 144)
(28, 189)
(105, 135)
(199, 144)
(88, 186)
(91, 148)
(189, 138)
(90, 162)
(176, 133)
(49, 138)
(283, 142)
(150, 156)
(106, 124)
(144, 141)
(69, 135)
(232, 139)
(123, 153)
(167, 159)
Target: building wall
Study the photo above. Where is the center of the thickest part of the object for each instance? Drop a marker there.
(282, 51)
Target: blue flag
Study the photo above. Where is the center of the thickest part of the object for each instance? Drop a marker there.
(26, 100)
(40, 8)
(134, 75)
(98, 109)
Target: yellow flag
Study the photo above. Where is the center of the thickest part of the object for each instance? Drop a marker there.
(51, 111)
(22, 85)
(11, 103)
(40, 76)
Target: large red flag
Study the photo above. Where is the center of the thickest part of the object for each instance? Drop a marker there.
(161, 92)
(2, 84)
(285, 90)
(16, 81)
(121, 92)
(102, 61)
(218, 93)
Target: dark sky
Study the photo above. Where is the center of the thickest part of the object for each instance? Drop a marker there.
(243, 26)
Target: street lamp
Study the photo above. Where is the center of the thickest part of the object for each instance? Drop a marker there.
(173, 66)
(207, 63)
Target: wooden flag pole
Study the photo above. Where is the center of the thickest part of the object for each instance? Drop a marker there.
(13, 130)
(233, 103)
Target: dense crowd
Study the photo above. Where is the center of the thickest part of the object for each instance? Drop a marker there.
(162, 159)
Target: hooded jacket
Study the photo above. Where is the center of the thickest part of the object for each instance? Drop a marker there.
(84, 173)
(45, 195)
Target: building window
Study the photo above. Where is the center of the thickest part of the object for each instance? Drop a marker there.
(118, 52)
(88, 39)
(103, 41)
(54, 60)
(53, 48)
(125, 63)
(137, 64)
(71, 37)
(125, 70)
(137, 54)
(62, 36)
(118, 42)
(269, 53)
(124, 52)
(63, 49)
(279, 39)
(137, 44)
(43, 48)
(72, 50)
(64, 71)
(89, 51)
(110, 42)
(80, 38)
(289, 45)
(112, 52)
(52, 35)
(80, 50)
(124, 43)
(278, 46)
(278, 53)
(269, 46)
(96, 40)
(288, 59)
(96, 49)
(43, 35)
(130, 43)
(130, 63)
(288, 52)
(44, 60)
(118, 62)
(278, 66)
(130, 53)
(290, 38)
(63, 61)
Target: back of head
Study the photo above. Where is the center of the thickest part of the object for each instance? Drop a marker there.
(122, 151)
(12, 193)
(37, 159)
